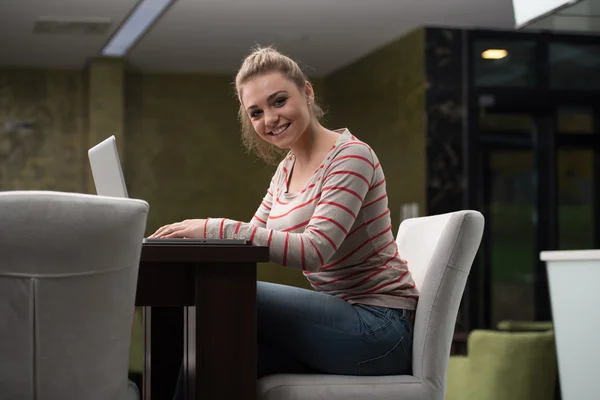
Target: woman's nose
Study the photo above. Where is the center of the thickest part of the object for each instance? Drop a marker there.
(271, 119)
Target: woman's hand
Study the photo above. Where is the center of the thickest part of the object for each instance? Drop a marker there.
(190, 228)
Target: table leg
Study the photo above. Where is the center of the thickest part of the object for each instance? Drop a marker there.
(163, 349)
(220, 345)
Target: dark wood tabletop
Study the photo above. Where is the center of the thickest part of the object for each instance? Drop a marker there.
(212, 287)
(159, 253)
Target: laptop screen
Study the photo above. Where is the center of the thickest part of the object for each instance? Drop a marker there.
(106, 169)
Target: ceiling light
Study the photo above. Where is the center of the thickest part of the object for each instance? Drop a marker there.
(135, 26)
(494, 54)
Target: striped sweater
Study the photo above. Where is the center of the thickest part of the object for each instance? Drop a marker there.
(337, 230)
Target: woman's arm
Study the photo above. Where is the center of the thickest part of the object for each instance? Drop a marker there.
(346, 183)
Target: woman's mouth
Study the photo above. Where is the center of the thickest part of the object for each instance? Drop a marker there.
(280, 130)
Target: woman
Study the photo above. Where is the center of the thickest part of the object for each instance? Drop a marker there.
(326, 214)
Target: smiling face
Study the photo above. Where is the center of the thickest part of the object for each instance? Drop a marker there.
(278, 110)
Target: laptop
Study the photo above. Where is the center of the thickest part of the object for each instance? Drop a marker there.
(110, 181)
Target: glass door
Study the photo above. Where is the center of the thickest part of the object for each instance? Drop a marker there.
(510, 211)
(537, 187)
(532, 145)
(508, 196)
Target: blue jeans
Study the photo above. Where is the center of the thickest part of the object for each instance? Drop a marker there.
(303, 331)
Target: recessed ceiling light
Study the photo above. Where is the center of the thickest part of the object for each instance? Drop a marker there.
(494, 54)
(135, 26)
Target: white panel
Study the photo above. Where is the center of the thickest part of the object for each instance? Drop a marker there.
(528, 10)
(583, 16)
(575, 298)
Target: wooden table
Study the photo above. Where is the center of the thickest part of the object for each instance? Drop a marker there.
(200, 307)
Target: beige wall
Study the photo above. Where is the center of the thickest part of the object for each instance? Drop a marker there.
(105, 97)
(49, 156)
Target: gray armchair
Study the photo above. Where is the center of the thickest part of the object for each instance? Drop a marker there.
(68, 276)
(440, 250)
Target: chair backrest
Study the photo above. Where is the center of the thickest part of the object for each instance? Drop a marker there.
(68, 277)
(440, 250)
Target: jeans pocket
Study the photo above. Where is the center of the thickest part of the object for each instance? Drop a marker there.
(396, 361)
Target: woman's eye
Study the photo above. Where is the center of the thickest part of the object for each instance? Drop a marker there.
(255, 114)
(279, 102)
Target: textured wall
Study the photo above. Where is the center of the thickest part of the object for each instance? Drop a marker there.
(184, 153)
(48, 156)
(105, 89)
(380, 98)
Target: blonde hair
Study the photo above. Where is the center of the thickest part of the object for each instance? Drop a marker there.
(260, 61)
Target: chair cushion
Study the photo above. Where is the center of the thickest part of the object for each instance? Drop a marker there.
(333, 387)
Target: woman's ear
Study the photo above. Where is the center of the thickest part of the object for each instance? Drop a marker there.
(309, 93)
